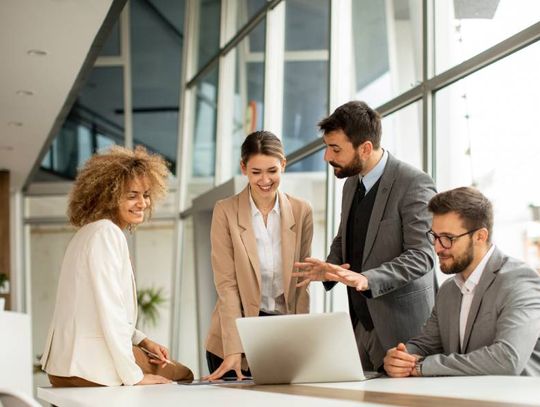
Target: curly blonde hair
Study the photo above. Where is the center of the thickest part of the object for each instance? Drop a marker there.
(101, 183)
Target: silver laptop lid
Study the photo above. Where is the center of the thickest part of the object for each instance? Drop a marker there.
(303, 348)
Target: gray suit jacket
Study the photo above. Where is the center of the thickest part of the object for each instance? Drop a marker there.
(398, 260)
(502, 336)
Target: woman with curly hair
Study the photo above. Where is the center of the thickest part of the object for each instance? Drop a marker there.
(92, 340)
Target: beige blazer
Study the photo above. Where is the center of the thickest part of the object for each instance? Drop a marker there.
(236, 267)
(93, 326)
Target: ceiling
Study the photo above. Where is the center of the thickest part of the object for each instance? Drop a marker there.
(36, 90)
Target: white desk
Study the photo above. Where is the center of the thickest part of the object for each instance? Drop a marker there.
(484, 391)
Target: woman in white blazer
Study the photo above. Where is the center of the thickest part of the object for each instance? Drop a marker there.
(92, 338)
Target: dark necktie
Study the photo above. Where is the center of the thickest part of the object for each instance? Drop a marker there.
(363, 312)
(360, 191)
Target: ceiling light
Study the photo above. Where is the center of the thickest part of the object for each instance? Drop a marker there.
(14, 123)
(36, 52)
(24, 92)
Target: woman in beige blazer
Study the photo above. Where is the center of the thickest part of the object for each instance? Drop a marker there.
(256, 237)
(92, 336)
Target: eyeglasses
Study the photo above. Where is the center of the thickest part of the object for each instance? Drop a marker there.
(446, 241)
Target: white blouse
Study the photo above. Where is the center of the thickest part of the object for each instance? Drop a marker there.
(269, 250)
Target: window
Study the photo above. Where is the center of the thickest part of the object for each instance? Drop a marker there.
(487, 136)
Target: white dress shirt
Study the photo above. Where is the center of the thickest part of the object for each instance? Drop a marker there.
(467, 288)
(371, 178)
(269, 250)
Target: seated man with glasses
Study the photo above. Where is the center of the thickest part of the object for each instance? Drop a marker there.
(486, 319)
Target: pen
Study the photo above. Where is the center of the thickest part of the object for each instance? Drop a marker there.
(155, 356)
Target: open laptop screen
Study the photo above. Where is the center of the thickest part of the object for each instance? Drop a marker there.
(302, 348)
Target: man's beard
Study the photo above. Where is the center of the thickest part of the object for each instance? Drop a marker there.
(460, 263)
(355, 167)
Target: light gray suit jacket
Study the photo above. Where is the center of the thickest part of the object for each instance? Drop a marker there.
(502, 336)
(398, 260)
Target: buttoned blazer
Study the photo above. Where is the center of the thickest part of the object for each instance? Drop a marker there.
(398, 260)
(93, 326)
(502, 334)
(236, 266)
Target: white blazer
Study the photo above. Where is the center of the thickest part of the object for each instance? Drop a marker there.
(93, 326)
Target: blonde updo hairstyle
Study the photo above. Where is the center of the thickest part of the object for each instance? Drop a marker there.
(101, 183)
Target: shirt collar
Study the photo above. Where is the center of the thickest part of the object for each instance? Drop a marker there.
(474, 278)
(376, 172)
(255, 210)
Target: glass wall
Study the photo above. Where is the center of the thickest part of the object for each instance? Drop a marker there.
(305, 83)
(206, 36)
(203, 146)
(402, 134)
(466, 28)
(386, 47)
(143, 78)
(246, 10)
(488, 137)
(95, 121)
(248, 90)
(204, 132)
(156, 73)
(112, 45)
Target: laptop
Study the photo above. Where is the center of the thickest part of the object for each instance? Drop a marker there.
(302, 348)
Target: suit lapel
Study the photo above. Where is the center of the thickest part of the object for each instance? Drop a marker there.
(385, 186)
(247, 235)
(288, 242)
(492, 267)
(348, 195)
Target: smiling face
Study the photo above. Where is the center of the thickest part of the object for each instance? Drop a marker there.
(461, 256)
(135, 201)
(264, 175)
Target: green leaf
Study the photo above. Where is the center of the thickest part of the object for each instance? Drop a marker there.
(149, 300)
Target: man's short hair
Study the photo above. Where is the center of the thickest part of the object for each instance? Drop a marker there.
(357, 120)
(469, 203)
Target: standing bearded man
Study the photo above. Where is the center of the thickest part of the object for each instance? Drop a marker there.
(380, 251)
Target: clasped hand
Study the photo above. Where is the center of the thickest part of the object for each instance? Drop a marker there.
(318, 270)
(398, 362)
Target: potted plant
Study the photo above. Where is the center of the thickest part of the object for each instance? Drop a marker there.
(149, 300)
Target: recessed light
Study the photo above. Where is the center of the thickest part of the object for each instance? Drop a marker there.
(14, 123)
(24, 92)
(36, 52)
